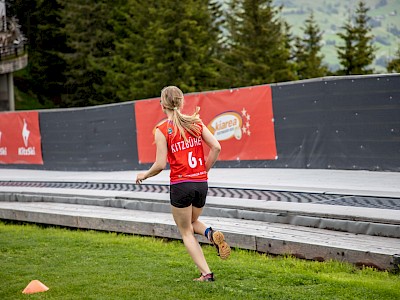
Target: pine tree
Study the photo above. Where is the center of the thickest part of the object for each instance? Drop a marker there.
(307, 54)
(286, 68)
(217, 23)
(47, 65)
(23, 10)
(125, 67)
(393, 66)
(180, 45)
(160, 43)
(90, 38)
(357, 53)
(257, 51)
(40, 22)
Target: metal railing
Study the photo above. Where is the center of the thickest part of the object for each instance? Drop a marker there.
(12, 51)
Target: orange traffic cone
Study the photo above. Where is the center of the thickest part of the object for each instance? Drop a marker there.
(35, 286)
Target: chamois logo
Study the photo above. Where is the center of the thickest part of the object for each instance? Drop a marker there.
(3, 150)
(26, 151)
(25, 133)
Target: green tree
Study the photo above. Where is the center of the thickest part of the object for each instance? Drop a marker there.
(286, 69)
(217, 23)
(393, 66)
(257, 50)
(125, 67)
(40, 22)
(23, 10)
(90, 38)
(160, 44)
(180, 46)
(47, 65)
(307, 51)
(358, 52)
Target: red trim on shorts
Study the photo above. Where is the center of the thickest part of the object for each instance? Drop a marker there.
(200, 180)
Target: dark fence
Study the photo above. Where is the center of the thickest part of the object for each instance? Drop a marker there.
(92, 139)
(12, 51)
(336, 122)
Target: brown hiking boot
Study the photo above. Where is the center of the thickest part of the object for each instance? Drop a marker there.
(218, 240)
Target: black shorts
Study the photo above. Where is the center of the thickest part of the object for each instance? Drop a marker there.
(188, 193)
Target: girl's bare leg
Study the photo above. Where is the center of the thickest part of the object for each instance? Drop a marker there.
(198, 226)
(183, 219)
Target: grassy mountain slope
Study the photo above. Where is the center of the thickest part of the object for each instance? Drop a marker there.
(331, 16)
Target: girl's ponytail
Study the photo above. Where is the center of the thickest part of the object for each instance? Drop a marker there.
(172, 99)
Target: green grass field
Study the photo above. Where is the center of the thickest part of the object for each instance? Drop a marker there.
(77, 264)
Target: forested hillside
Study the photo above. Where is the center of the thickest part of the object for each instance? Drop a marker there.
(331, 15)
(90, 52)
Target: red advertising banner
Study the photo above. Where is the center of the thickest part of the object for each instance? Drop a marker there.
(20, 140)
(240, 119)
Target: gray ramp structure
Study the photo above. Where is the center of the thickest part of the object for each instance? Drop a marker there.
(313, 214)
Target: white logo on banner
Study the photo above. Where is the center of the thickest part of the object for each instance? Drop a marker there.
(3, 150)
(26, 151)
(25, 133)
(230, 124)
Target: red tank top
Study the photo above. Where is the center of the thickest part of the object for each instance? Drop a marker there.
(186, 159)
